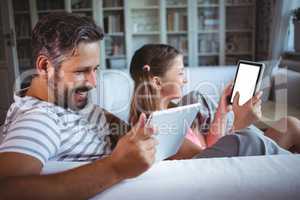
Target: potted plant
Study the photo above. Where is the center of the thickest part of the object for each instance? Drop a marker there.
(296, 20)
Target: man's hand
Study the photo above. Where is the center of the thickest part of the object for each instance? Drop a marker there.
(135, 152)
(247, 113)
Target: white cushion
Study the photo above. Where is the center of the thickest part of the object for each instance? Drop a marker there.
(256, 177)
(209, 80)
(116, 86)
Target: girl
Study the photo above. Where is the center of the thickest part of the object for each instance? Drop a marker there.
(158, 74)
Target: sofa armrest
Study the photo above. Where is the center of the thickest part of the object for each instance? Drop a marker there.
(286, 87)
(256, 177)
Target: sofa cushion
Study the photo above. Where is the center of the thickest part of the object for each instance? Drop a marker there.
(115, 91)
(116, 87)
(256, 177)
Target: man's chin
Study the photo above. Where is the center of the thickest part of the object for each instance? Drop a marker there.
(76, 105)
(79, 101)
(74, 102)
(79, 105)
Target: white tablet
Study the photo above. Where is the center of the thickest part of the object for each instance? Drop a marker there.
(172, 125)
(247, 80)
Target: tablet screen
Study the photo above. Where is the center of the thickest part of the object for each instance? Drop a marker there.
(245, 82)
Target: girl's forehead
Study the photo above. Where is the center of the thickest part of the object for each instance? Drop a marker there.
(177, 63)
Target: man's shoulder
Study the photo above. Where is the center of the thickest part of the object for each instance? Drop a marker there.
(30, 108)
(31, 128)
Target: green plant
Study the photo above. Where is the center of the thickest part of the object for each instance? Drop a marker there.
(296, 14)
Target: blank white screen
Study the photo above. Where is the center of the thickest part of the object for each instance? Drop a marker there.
(245, 82)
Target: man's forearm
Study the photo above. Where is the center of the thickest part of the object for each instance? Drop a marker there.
(79, 183)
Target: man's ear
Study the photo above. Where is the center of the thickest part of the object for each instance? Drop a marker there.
(43, 66)
(157, 83)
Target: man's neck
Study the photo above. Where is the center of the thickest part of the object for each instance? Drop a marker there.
(39, 89)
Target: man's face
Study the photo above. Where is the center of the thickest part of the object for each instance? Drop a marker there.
(76, 76)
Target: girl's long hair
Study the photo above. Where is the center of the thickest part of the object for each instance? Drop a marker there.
(145, 97)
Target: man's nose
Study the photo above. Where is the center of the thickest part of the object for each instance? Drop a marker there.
(91, 78)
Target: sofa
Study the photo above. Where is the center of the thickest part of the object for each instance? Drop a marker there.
(255, 177)
(280, 86)
(116, 87)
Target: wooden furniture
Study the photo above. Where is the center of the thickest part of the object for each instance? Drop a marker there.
(209, 32)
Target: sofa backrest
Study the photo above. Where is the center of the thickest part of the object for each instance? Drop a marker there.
(116, 86)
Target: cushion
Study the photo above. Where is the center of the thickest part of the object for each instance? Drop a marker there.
(257, 177)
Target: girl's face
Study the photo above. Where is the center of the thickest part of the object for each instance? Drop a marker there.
(173, 80)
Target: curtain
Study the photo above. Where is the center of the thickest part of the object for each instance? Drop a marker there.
(281, 38)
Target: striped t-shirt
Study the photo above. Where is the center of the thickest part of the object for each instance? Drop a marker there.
(49, 132)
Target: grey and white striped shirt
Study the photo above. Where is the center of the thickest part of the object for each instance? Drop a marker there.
(49, 132)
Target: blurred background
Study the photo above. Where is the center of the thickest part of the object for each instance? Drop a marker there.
(211, 33)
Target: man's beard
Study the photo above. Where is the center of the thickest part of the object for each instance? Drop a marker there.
(66, 97)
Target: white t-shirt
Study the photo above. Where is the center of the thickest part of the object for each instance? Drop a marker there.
(49, 132)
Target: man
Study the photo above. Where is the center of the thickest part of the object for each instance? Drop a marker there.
(46, 123)
(53, 120)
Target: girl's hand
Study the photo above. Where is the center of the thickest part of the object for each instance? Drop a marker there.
(218, 126)
(247, 113)
(223, 106)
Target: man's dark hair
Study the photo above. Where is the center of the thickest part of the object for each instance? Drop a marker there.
(57, 36)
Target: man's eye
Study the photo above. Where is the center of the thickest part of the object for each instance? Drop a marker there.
(96, 69)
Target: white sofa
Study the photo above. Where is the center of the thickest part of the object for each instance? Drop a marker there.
(116, 86)
(259, 177)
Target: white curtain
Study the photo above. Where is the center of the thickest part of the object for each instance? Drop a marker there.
(282, 28)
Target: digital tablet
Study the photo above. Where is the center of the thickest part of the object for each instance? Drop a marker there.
(172, 126)
(247, 80)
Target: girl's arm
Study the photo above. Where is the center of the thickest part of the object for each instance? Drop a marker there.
(218, 126)
(217, 129)
(187, 151)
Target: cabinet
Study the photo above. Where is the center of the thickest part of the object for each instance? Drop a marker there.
(113, 24)
(177, 26)
(209, 37)
(22, 21)
(8, 60)
(240, 30)
(208, 32)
